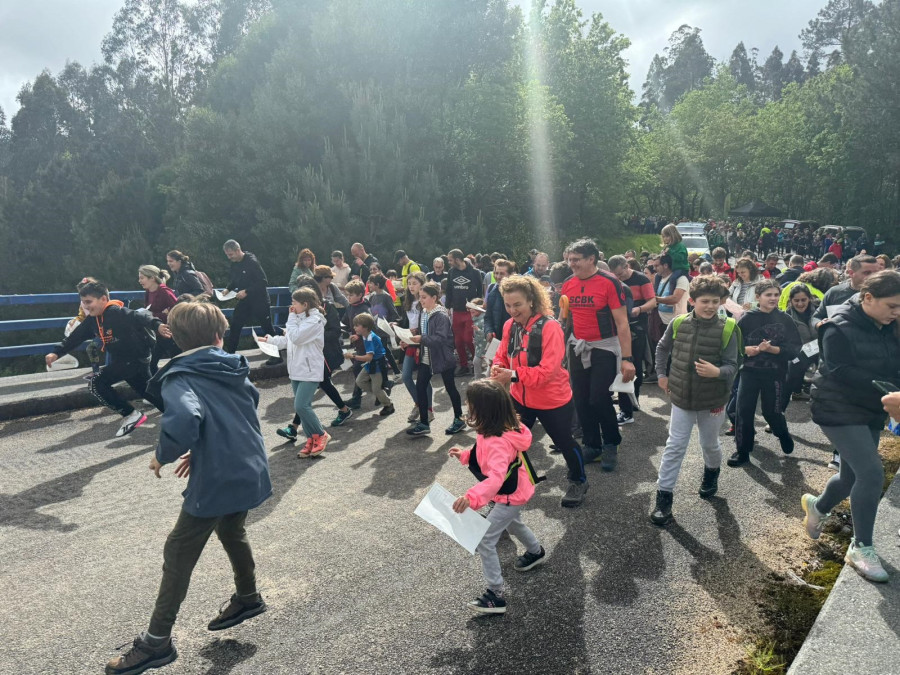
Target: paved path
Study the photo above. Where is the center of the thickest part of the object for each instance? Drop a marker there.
(357, 584)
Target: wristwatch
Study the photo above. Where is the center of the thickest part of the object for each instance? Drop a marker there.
(628, 358)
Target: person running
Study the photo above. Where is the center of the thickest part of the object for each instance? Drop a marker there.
(599, 348)
(859, 345)
(374, 369)
(529, 361)
(158, 299)
(206, 391)
(304, 340)
(248, 279)
(127, 338)
(499, 461)
(464, 283)
(435, 343)
(703, 347)
(771, 341)
(413, 308)
(185, 278)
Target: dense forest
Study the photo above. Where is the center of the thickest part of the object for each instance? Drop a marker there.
(427, 124)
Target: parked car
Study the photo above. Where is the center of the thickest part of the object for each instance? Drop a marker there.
(854, 232)
(797, 225)
(834, 231)
(696, 243)
(689, 229)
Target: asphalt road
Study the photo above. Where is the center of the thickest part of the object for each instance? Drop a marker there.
(356, 583)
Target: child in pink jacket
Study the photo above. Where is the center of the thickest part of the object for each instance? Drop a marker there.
(498, 462)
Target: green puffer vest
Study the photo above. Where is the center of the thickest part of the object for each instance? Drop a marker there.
(697, 339)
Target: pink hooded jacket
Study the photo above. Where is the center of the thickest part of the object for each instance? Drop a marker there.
(495, 454)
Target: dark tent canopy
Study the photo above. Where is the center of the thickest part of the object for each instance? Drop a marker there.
(756, 209)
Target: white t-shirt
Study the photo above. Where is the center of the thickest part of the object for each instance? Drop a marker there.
(341, 275)
(683, 283)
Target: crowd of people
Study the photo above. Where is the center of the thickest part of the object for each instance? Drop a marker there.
(566, 344)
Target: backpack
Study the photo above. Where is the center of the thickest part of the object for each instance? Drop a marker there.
(511, 482)
(208, 287)
(535, 341)
(731, 328)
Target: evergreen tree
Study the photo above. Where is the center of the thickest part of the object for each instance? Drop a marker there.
(741, 69)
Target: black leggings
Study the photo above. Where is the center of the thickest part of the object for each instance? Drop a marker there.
(593, 399)
(769, 387)
(135, 373)
(557, 422)
(331, 392)
(422, 381)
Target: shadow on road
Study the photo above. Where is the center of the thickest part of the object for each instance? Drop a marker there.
(225, 654)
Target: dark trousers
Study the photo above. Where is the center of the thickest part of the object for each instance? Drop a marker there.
(794, 384)
(183, 547)
(331, 392)
(247, 312)
(165, 348)
(423, 379)
(135, 373)
(638, 347)
(593, 399)
(769, 387)
(557, 422)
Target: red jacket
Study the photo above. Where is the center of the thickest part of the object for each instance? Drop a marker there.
(545, 386)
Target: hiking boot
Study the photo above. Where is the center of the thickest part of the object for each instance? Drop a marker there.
(624, 419)
(590, 454)
(529, 561)
(787, 444)
(288, 432)
(574, 494)
(419, 430)
(489, 603)
(143, 655)
(457, 426)
(307, 447)
(710, 484)
(236, 611)
(354, 403)
(274, 361)
(413, 414)
(730, 431)
(738, 459)
(609, 455)
(662, 511)
(387, 410)
(130, 423)
(342, 417)
(814, 520)
(319, 443)
(866, 563)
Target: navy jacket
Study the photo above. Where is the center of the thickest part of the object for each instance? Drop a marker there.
(439, 340)
(211, 411)
(495, 316)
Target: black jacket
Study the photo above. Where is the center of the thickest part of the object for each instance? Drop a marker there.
(127, 334)
(462, 286)
(836, 295)
(186, 280)
(248, 275)
(780, 330)
(334, 353)
(854, 350)
(789, 275)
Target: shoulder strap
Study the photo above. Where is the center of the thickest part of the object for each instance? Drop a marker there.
(676, 322)
(730, 326)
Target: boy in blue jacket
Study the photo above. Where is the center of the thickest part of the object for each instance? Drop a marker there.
(205, 390)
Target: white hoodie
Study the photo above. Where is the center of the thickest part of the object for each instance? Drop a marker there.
(305, 339)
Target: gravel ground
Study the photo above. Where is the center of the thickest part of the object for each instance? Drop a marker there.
(356, 583)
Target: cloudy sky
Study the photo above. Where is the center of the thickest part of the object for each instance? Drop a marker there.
(46, 33)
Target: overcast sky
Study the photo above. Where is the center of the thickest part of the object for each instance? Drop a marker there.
(46, 33)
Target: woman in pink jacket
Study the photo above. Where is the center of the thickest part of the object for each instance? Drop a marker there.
(499, 463)
(529, 359)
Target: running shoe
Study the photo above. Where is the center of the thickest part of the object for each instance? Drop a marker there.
(738, 459)
(142, 656)
(387, 410)
(730, 431)
(235, 611)
(489, 603)
(419, 430)
(813, 521)
(457, 426)
(319, 443)
(530, 560)
(624, 419)
(342, 417)
(307, 447)
(413, 414)
(354, 403)
(574, 495)
(130, 423)
(866, 563)
(288, 432)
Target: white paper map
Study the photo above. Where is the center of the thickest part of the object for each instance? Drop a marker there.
(225, 296)
(491, 350)
(470, 305)
(466, 528)
(811, 348)
(264, 347)
(67, 362)
(403, 334)
(387, 328)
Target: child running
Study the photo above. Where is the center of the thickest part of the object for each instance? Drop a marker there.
(704, 351)
(499, 462)
(373, 359)
(305, 341)
(205, 390)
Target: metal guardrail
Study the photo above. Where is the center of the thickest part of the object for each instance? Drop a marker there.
(278, 309)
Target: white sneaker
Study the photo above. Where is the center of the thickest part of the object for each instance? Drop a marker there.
(865, 561)
(413, 414)
(814, 520)
(130, 423)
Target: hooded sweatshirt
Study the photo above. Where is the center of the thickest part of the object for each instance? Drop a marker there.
(304, 340)
(211, 411)
(462, 286)
(495, 454)
(125, 333)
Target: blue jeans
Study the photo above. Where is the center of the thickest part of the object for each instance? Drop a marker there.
(303, 397)
(409, 370)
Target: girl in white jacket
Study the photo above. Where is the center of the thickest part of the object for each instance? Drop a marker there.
(305, 340)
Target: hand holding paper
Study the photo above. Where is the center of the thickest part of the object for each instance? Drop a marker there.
(225, 296)
(466, 528)
(264, 347)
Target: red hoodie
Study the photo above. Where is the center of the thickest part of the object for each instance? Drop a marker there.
(545, 386)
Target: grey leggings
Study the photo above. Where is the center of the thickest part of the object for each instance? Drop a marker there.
(861, 477)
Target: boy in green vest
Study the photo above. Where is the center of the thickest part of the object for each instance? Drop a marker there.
(704, 361)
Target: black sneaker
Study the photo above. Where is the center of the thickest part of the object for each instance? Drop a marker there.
(354, 403)
(489, 603)
(574, 494)
(530, 560)
(787, 444)
(235, 611)
(730, 431)
(142, 656)
(342, 417)
(457, 426)
(622, 419)
(661, 513)
(387, 410)
(288, 432)
(738, 459)
(419, 430)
